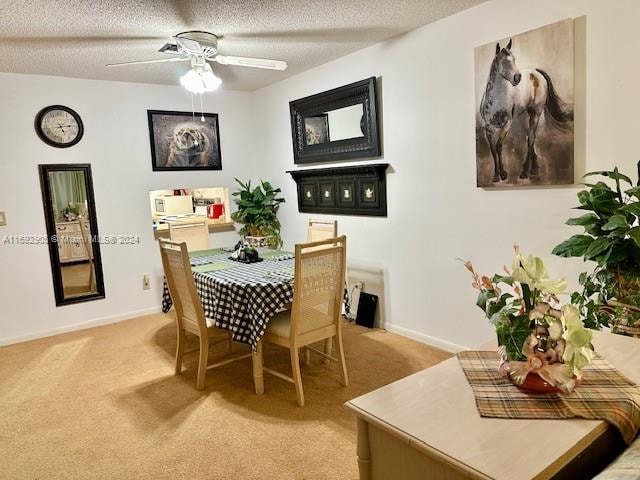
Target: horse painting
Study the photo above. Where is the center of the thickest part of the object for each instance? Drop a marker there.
(522, 97)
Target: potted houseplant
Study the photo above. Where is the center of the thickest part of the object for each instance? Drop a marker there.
(611, 292)
(257, 212)
(543, 345)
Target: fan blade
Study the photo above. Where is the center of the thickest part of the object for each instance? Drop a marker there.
(189, 46)
(251, 62)
(140, 62)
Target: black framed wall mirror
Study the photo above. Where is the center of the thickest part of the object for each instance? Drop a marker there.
(72, 231)
(338, 124)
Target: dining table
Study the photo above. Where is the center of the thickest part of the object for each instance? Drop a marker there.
(241, 297)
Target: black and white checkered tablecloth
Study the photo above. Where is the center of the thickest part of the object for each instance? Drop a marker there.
(242, 298)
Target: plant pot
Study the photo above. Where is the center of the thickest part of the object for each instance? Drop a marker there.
(624, 311)
(257, 241)
(534, 383)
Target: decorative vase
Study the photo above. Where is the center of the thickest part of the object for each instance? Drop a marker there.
(534, 383)
(256, 241)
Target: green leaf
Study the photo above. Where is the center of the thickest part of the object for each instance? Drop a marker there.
(596, 247)
(576, 246)
(611, 174)
(634, 192)
(634, 233)
(633, 208)
(585, 220)
(583, 197)
(502, 279)
(616, 221)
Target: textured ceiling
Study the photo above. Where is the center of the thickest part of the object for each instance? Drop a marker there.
(76, 38)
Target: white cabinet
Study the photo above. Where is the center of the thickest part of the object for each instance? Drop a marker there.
(71, 248)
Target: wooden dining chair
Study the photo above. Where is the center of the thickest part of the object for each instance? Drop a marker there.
(315, 312)
(189, 312)
(194, 234)
(321, 230)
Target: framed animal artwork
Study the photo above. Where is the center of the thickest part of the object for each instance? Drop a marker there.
(524, 108)
(184, 141)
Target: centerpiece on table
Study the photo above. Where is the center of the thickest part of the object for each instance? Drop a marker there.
(543, 345)
(610, 293)
(258, 214)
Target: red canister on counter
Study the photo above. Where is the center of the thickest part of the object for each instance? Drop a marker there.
(215, 210)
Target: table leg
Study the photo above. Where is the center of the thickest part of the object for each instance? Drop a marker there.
(258, 379)
(364, 454)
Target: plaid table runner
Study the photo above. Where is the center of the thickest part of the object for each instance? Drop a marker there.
(603, 394)
(243, 297)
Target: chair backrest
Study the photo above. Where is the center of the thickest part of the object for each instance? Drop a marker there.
(318, 284)
(321, 230)
(182, 287)
(195, 235)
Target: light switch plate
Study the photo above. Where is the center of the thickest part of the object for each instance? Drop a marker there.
(3, 219)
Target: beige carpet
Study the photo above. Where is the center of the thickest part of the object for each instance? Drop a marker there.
(104, 404)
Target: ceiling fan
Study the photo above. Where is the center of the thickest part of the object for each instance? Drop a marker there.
(200, 48)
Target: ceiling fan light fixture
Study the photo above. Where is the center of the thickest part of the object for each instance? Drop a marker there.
(200, 79)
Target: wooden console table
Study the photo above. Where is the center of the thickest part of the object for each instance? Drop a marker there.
(427, 426)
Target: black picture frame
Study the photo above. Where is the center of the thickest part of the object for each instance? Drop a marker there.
(188, 149)
(368, 145)
(355, 179)
(52, 239)
(346, 186)
(43, 136)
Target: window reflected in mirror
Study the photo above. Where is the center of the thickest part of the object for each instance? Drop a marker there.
(72, 232)
(339, 124)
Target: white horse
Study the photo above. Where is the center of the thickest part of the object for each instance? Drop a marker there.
(518, 94)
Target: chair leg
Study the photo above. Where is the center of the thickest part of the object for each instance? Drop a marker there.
(343, 365)
(297, 378)
(179, 350)
(202, 362)
(328, 348)
(307, 356)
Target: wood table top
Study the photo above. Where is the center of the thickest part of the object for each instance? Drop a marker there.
(436, 410)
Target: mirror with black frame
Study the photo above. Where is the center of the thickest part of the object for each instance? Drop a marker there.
(72, 230)
(337, 124)
(334, 125)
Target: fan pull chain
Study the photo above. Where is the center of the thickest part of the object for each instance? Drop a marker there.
(193, 117)
(201, 110)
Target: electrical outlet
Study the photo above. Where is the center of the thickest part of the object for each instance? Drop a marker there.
(3, 219)
(146, 282)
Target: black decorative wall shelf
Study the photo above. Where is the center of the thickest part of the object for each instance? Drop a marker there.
(352, 190)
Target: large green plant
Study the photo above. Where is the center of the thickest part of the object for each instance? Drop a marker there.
(258, 211)
(611, 239)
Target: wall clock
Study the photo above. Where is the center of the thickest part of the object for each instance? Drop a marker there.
(59, 126)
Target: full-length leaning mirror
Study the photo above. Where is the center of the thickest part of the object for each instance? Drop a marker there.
(72, 229)
(337, 124)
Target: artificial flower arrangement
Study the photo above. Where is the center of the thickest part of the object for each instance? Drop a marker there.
(537, 336)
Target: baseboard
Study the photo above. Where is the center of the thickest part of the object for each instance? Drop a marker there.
(426, 339)
(79, 326)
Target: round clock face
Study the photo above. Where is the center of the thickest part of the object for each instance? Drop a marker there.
(59, 126)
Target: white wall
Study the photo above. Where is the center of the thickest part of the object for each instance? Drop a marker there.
(116, 144)
(436, 213)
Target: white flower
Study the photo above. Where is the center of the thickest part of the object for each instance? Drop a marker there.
(531, 270)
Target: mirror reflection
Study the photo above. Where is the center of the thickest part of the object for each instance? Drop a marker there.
(73, 230)
(339, 124)
(68, 203)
